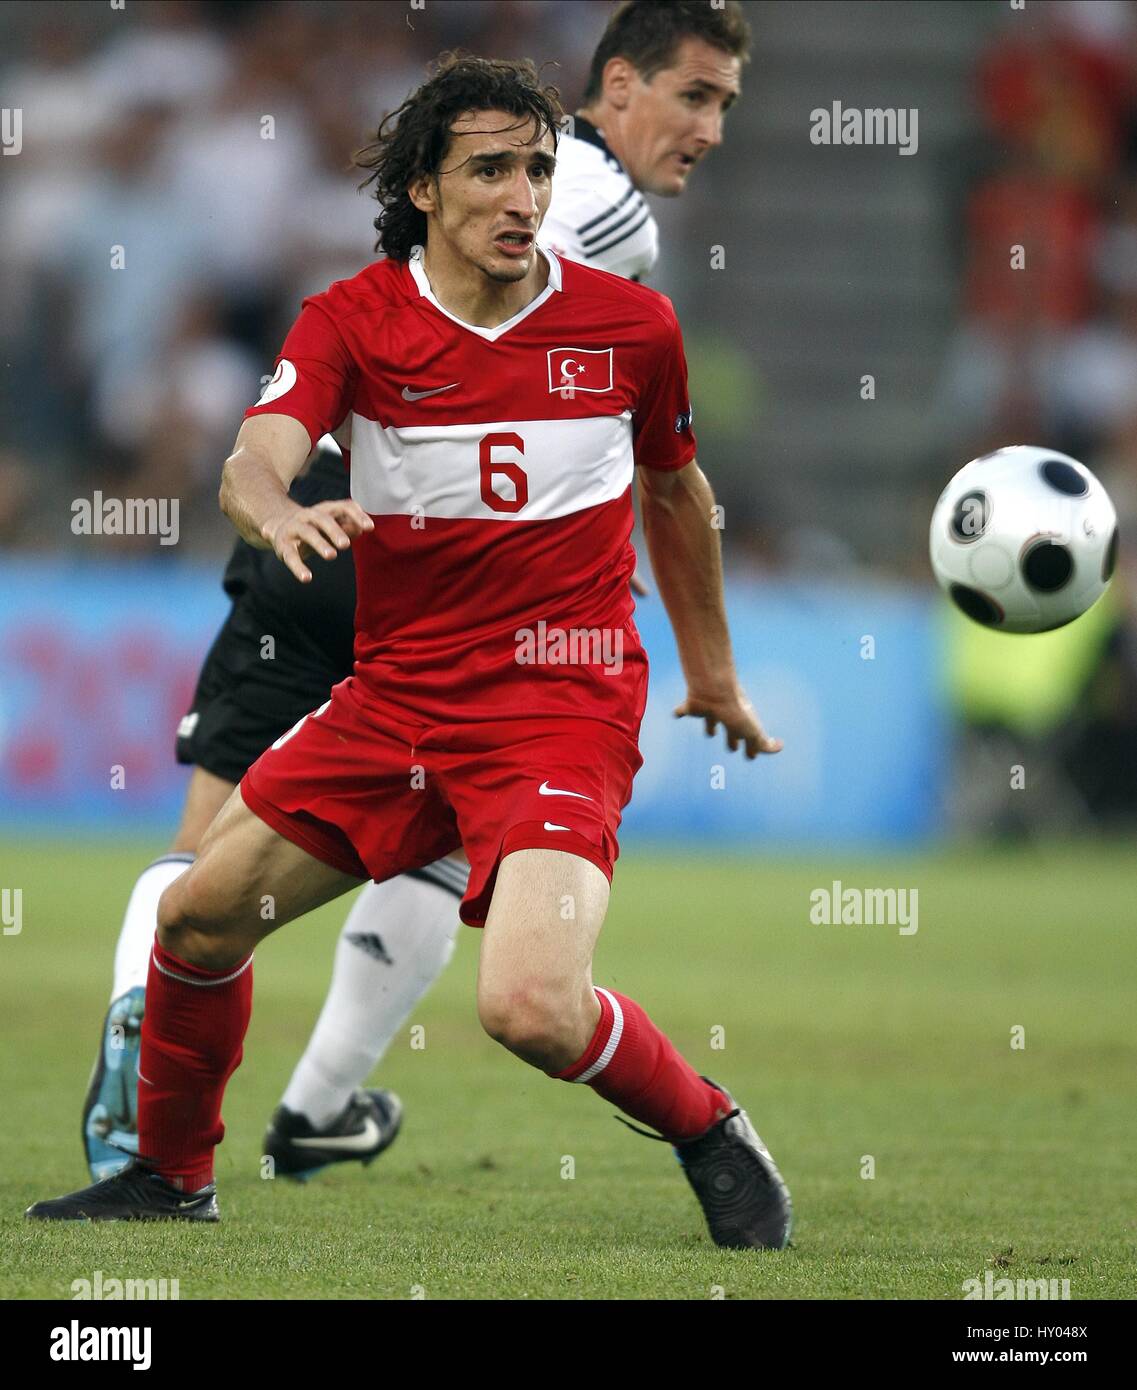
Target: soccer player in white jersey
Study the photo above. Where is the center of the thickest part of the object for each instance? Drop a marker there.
(661, 79)
(499, 401)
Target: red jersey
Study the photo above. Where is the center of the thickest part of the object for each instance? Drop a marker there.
(497, 465)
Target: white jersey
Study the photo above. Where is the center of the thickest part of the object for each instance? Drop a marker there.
(597, 215)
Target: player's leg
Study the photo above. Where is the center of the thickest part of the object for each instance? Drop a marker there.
(535, 995)
(413, 917)
(110, 1126)
(396, 941)
(246, 881)
(205, 796)
(327, 805)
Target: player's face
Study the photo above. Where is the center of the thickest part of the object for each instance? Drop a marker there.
(493, 191)
(672, 121)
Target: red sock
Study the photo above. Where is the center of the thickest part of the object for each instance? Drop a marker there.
(193, 1029)
(632, 1064)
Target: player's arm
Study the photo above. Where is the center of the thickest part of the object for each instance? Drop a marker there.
(309, 394)
(677, 507)
(270, 451)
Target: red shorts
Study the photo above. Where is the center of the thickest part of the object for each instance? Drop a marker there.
(374, 796)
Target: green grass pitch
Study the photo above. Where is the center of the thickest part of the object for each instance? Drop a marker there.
(842, 1041)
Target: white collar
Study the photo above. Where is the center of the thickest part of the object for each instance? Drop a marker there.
(418, 272)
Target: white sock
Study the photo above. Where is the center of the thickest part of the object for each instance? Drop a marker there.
(395, 943)
(132, 954)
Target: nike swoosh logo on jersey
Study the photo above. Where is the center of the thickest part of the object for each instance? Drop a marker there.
(550, 826)
(346, 1143)
(545, 790)
(409, 395)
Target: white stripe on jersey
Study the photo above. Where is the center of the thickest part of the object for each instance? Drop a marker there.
(597, 216)
(435, 470)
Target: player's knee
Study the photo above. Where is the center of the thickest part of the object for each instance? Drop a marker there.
(535, 1023)
(194, 933)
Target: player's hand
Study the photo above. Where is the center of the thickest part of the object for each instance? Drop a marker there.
(639, 584)
(324, 530)
(737, 716)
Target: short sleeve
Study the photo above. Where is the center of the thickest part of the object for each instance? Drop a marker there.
(661, 426)
(315, 375)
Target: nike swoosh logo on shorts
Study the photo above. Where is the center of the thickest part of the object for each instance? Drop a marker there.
(409, 395)
(545, 790)
(550, 826)
(347, 1143)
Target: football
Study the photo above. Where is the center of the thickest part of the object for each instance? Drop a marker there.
(1024, 539)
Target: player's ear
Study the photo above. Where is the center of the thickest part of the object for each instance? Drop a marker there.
(617, 81)
(423, 193)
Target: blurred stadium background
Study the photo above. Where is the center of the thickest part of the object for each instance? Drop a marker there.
(143, 128)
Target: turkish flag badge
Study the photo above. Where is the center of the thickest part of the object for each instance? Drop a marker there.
(580, 369)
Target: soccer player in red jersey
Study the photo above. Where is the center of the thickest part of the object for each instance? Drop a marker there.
(494, 401)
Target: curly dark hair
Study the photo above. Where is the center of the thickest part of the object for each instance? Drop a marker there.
(414, 140)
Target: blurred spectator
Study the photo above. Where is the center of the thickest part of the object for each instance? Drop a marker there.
(1057, 98)
(169, 55)
(126, 248)
(173, 416)
(1057, 91)
(328, 232)
(238, 169)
